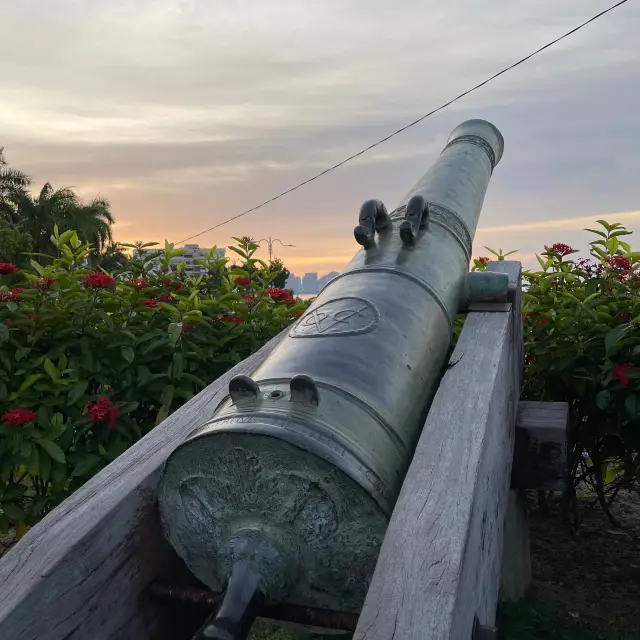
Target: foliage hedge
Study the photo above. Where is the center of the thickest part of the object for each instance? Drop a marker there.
(582, 346)
(90, 362)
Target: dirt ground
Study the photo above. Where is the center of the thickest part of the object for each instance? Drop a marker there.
(6, 541)
(595, 575)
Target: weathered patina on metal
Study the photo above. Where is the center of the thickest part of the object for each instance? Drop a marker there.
(298, 470)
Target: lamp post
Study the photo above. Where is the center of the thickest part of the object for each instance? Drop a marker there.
(270, 242)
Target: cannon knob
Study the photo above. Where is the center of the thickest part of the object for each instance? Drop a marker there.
(373, 217)
(416, 217)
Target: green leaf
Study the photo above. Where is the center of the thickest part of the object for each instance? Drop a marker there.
(12, 492)
(613, 338)
(52, 370)
(33, 466)
(128, 354)
(600, 233)
(14, 512)
(632, 405)
(610, 475)
(22, 352)
(87, 466)
(27, 382)
(175, 331)
(37, 266)
(603, 399)
(77, 391)
(162, 414)
(605, 224)
(45, 466)
(4, 333)
(57, 427)
(52, 449)
(166, 397)
(62, 362)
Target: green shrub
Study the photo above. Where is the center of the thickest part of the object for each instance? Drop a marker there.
(90, 362)
(582, 346)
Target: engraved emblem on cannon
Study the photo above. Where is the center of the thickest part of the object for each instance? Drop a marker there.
(339, 317)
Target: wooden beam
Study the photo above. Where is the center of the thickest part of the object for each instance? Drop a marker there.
(440, 562)
(83, 571)
(541, 454)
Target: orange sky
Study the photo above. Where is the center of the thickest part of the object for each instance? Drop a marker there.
(183, 113)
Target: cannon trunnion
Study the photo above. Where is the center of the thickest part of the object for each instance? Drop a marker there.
(290, 486)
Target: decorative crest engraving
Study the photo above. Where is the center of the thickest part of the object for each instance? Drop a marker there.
(339, 317)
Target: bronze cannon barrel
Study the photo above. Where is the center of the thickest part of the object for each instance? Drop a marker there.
(298, 470)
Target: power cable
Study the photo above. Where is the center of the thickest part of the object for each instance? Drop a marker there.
(408, 126)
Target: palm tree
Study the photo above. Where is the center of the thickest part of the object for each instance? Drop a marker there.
(38, 215)
(92, 222)
(13, 185)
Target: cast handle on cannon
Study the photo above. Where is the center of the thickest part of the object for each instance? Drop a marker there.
(242, 600)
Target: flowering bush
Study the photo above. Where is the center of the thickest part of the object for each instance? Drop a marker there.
(90, 362)
(582, 346)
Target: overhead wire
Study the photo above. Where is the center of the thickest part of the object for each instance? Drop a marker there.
(408, 126)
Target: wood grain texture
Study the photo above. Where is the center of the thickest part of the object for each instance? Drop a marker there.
(83, 570)
(516, 557)
(541, 454)
(440, 562)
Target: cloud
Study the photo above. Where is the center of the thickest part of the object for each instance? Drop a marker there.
(560, 223)
(187, 112)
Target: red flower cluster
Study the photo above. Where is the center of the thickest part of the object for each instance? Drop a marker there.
(165, 297)
(34, 317)
(482, 260)
(167, 282)
(186, 327)
(231, 319)
(139, 283)
(619, 262)
(621, 373)
(150, 303)
(44, 283)
(98, 280)
(19, 416)
(561, 249)
(8, 269)
(249, 299)
(281, 295)
(589, 267)
(242, 281)
(13, 295)
(103, 411)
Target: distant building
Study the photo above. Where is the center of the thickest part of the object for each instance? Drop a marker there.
(310, 283)
(326, 279)
(294, 283)
(192, 254)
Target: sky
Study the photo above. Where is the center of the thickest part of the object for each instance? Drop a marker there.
(186, 112)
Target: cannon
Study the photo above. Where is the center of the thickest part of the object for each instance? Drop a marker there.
(285, 494)
(352, 475)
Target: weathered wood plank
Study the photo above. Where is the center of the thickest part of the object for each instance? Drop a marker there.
(441, 559)
(83, 570)
(541, 453)
(516, 556)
